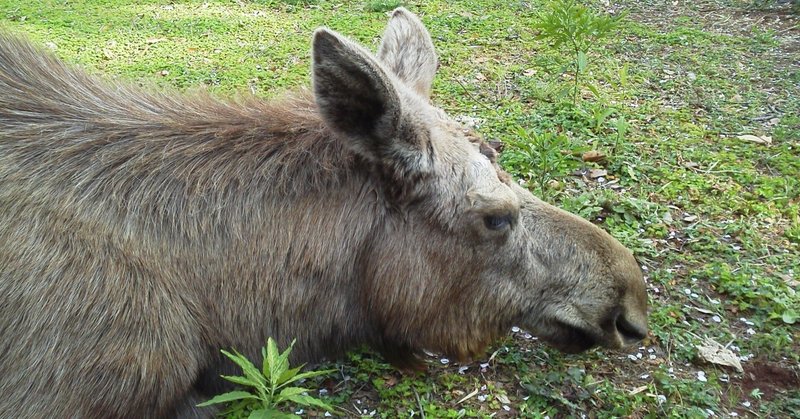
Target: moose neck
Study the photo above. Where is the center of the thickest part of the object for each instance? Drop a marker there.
(250, 204)
(268, 181)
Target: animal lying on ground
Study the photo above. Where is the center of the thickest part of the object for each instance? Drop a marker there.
(141, 232)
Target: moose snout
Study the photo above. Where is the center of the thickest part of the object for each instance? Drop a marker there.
(629, 329)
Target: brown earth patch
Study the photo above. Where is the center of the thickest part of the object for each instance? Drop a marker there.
(770, 378)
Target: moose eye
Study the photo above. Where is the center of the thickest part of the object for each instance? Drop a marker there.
(497, 223)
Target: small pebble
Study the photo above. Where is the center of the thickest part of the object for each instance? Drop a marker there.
(701, 376)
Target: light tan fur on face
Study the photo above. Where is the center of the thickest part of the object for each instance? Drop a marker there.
(141, 232)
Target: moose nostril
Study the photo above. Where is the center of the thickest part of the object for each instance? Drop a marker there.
(630, 332)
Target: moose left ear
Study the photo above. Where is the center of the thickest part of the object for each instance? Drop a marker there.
(355, 96)
(407, 50)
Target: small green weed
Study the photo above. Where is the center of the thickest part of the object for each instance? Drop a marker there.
(543, 158)
(270, 387)
(567, 22)
(382, 5)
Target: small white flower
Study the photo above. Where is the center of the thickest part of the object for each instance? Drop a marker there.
(701, 376)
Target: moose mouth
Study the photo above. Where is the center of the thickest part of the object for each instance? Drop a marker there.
(571, 339)
(615, 332)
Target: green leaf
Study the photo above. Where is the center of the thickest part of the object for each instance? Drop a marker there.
(244, 381)
(247, 367)
(789, 316)
(228, 397)
(631, 173)
(264, 362)
(310, 401)
(270, 414)
(289, 392)
(623, 75)
(278, 362)
(272, 357)
(309, 374)
(583, 62)
(288, 374)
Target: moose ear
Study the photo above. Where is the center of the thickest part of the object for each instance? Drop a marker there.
(407, 50)
(354, 95)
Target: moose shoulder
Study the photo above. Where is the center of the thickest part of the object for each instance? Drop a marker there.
(141, 232)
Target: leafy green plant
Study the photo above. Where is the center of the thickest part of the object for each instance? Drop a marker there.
(567, 22)
(270, 386)
(382, 5)
(543, 158)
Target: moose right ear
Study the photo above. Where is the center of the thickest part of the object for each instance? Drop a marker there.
(407, 50)
(356, 98)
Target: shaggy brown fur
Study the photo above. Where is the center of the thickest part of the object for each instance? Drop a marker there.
(141, 232)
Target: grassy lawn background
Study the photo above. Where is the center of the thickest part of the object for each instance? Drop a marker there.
(713, 218)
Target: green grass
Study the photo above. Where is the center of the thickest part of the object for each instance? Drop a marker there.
(714, 219)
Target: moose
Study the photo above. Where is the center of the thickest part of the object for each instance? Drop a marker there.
(142, 231)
